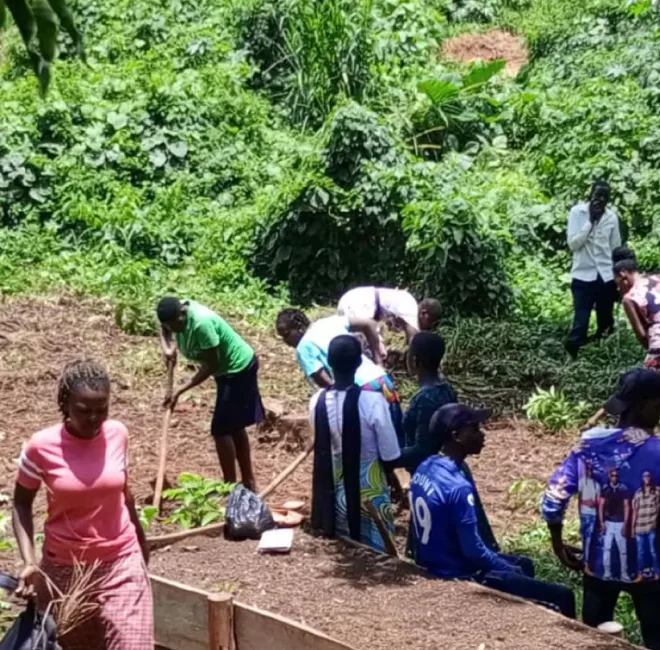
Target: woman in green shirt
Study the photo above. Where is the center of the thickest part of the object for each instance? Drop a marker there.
(207, 339)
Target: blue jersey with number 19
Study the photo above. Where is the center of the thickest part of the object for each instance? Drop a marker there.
(441, 499)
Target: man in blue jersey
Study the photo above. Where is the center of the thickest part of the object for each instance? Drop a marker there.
(447, 539)
(615, 470)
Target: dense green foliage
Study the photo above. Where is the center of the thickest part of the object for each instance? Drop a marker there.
(250, 152)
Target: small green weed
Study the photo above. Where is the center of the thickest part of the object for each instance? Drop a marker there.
(146, 515)
(200, 498)
(554, 410)
(525, 493)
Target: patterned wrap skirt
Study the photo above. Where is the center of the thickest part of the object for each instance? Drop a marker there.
(373, 487)
(123, 616)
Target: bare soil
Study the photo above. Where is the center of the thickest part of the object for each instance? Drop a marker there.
(359, 598)
(369, 600)
(486, 46)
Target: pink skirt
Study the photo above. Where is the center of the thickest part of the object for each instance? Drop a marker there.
(122, 618)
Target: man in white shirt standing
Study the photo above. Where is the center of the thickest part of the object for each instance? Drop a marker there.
(593, 233)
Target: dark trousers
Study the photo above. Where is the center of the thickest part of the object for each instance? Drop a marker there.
(548, 594)
(600, 598)
(586, 296)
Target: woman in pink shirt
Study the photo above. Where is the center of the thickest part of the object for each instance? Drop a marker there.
(91, 520)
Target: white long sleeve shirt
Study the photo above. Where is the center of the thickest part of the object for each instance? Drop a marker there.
(592, 245)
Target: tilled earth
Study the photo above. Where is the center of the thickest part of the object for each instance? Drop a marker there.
(327, 585)
(369, 600)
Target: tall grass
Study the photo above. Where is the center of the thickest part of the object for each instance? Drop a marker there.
(311, 53)
(330, 49)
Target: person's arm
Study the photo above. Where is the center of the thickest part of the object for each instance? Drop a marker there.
(369, 328)
(626, 517)
(322, 378)
(564, 553)
(561, 487)
(483, 524)
(135, 519)
(601, 512)
(578, 233)
(481, 557)
(635, 320)
(464, 519)
(420, 412)
(23, 524)
(210, 363)
(407, 328)
(311, 363)
(635, 514)
(168, 345)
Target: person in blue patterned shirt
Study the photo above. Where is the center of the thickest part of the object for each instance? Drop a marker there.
(614, 471)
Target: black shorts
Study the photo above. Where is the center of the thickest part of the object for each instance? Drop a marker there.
(238, 402)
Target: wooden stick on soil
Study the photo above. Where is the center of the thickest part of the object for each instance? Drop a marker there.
(385, 534)
(160, 477)
(282, 476)
(163, 540)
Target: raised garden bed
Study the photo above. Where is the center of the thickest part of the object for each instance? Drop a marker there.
(367, 600)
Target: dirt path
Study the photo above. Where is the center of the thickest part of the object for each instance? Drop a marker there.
(488, 45)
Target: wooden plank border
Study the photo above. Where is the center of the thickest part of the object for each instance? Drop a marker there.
(256, 629)
(186, 618)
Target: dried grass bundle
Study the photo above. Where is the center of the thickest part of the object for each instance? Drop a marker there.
(78, 604)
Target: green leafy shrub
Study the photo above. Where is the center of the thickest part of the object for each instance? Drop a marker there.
(554, 411)
(200, 500)
(6, 542)
(342, 228)
(356, 136)
(472, 11)
(147, 514)
(459, 109)
(457, 259)
(501, 363)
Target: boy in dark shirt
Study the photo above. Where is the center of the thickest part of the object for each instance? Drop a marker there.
(424, 357)
(422, 434)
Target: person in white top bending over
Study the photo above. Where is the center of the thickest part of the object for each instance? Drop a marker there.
(593, 233)
(396, 307)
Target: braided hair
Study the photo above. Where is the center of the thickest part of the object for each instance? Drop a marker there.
(80, 373)
(291, 319)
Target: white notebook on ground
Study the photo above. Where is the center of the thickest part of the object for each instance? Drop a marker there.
(278, 540)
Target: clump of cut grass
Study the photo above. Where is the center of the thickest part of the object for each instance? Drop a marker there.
(75, 607)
